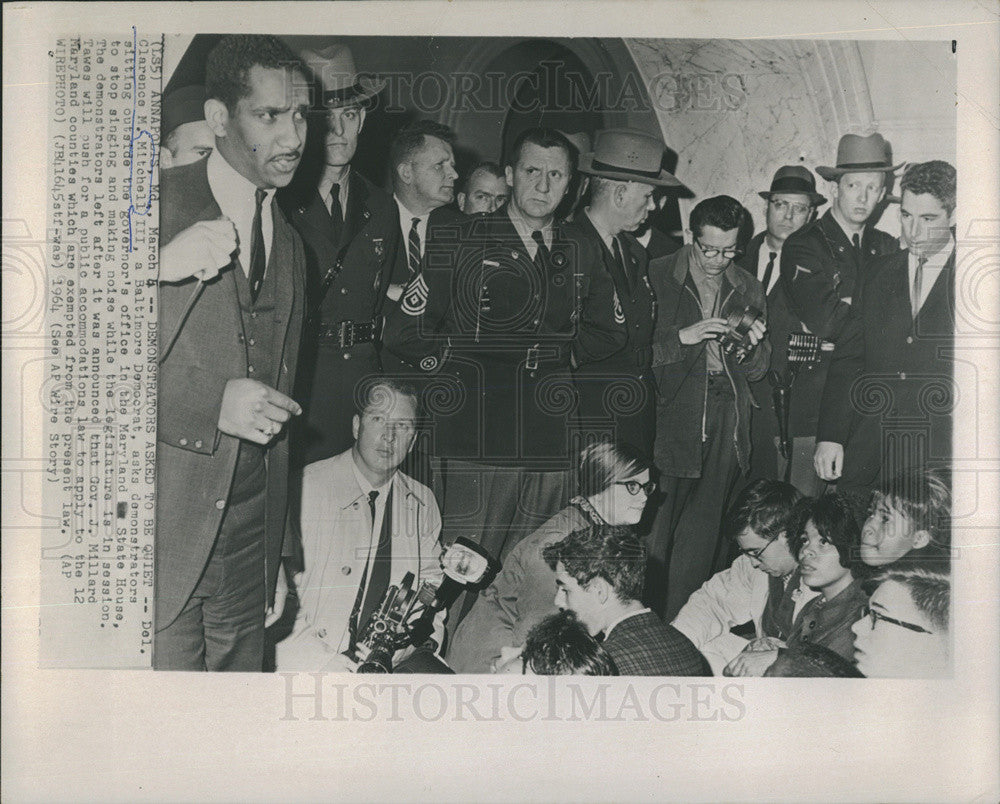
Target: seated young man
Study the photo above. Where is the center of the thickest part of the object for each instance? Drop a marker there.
(905, 630)
(600, 572)
(762, 586)
(828, 537)
(910, 522)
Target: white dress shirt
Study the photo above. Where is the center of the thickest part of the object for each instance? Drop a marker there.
(326, 184)
(932, 270)
(406, 222)
(763, 257)
(380, 501)
(524, 229)
(235, 196)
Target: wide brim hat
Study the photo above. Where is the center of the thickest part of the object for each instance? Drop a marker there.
(624, 154)
(857, 154)
(341, 85)
(794, 179)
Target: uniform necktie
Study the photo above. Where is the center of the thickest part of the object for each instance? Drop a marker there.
(336, 213)
(918, 282)
(856, 241)
(413, 248)
(766, 281)
(616, 249)
(542, 253)
(257, 260)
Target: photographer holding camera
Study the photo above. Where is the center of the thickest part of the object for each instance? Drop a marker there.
(707, 346)
(365, 525)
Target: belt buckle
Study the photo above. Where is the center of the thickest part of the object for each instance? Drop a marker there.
(346, 334)
(531, 358)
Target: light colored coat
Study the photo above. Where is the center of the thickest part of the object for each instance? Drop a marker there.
(731, 597)
(336, 537)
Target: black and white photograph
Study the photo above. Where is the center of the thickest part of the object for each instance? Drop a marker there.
(452, 342)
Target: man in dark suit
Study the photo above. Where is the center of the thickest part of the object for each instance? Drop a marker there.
(792, 201)
(617, 393)
(896, 350)
(227, 364)
(599, 577)
(823, 269)
(351, 234)
(491, 322)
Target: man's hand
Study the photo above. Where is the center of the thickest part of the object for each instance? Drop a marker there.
(756, 333)
(703, 330)
(828, 460)
(751, 663)
(765, 643)
(254, 411)
(199, 251)
(273, 614)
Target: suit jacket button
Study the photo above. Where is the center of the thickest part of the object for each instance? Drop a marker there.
(220, 504)
(321, 633)
(197, 444)
(902, 375)
(346, 570)
(250, 369)
(347, 355)
(909, 339)
(183, 442)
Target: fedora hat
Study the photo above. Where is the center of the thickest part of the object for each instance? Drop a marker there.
(857, 154)
(624, 154)
(794, 179)
(334, 68)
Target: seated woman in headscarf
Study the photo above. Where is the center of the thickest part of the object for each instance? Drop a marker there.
(614, 486)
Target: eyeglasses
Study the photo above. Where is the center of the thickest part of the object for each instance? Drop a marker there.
(781, 207)
(728, 253)
(875, 616)
(757, 552)
(633, 487)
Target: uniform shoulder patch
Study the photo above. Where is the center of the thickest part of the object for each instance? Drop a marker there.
(415, 296)
(802, 269)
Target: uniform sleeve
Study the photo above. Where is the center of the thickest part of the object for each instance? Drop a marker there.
(416, 330)
(836, 413)
(597, 335)
(808, 276)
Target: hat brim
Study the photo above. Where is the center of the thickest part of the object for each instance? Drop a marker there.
(834, 173)
(363, 90)
(664, 179)
(815, 198)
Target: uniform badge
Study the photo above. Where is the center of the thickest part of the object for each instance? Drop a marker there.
(429, 363)
(415, 296)
(619, 313)
(379, 246)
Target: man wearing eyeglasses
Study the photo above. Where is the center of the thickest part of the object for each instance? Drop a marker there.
(704, 402)
(792, 202)
(905, 630)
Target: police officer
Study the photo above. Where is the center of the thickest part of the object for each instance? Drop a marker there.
(617, 393)
(491, 322)
(823, 268)
(351, 234)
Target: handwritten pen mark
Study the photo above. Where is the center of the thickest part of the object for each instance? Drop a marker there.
(133, 139)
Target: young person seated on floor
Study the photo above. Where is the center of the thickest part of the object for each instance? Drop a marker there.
(558, 645)
(906, 631)
(909, 523)
(614, 486)
(828, 537)
(762, 587)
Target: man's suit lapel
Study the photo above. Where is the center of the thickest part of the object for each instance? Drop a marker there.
(611, 265)
(937, 315)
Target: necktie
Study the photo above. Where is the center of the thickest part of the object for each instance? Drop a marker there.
(413, 248)
(542, 253)
(616, 249)
(379, 571)
(856, 240)
(918, 281)
(766, 281)
(336, 213)
(257, 260)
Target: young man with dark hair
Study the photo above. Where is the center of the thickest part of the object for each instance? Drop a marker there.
(221, 463)
(762, 587)
(491, 323)
(484, 189)
(704, 401)
(599, 577)
(906, 628)
(898, 343)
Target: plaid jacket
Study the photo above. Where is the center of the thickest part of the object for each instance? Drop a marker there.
(643, 645)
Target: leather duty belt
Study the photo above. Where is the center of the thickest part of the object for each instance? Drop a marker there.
(348, 333)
